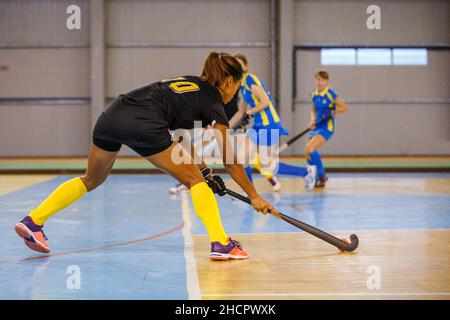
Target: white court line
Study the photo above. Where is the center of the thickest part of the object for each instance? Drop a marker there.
(333, 294)
(191, 267)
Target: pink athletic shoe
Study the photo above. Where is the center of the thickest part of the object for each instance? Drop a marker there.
(232, 251)
(33, 235)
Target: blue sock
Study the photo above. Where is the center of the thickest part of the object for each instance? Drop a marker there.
(287, 169)
(248, 171)
(317, 161)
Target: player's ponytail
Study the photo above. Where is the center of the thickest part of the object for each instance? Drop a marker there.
(219, 66)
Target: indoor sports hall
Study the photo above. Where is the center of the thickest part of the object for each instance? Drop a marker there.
(137, 235)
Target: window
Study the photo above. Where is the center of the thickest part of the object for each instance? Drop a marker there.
(380, 57)
(374, 56)
(414, 57)
(338, 56)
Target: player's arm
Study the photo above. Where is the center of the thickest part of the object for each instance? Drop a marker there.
(242, 107)
(237, 171)
(262, 97)
(341, 106)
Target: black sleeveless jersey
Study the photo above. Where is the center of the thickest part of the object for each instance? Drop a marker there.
(181, 101)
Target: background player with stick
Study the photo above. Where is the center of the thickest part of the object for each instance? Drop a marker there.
(266, 121)
(326, 104)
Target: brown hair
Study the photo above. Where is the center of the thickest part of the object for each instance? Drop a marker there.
(241, 57)
(323, 74)
(218, 66)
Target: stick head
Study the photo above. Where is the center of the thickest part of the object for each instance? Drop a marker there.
(354, 242)
(349, 246)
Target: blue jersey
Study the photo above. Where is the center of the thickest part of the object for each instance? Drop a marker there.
(323, 105)
(267, 116)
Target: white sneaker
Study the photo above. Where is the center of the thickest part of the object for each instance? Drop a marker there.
(179, 188)
(310, 178)
(276, 185)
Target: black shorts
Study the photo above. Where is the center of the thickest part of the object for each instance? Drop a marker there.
(142, 128)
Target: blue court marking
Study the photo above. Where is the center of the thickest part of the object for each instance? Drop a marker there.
(124, 208)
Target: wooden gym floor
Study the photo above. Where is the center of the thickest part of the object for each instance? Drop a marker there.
(131, 240)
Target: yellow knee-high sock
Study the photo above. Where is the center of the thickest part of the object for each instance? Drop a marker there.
(206, 207)
(63, 196)
(267, 174)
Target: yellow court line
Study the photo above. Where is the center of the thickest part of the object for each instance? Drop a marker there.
(11, 183)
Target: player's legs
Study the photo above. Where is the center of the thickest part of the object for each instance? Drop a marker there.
(99, 166)
(313, 157)
(271, 166)
(204, 202)
(290, 170)
(251, 152)
(200, 147)
(100, 163)
(313, 144)
(266, 166)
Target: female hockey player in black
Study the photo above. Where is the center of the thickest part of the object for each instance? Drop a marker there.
(141, 119)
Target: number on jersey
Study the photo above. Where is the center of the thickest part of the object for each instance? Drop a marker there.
(179, 86)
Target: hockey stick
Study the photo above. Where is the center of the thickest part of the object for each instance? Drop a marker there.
(340, 244)
(285, 145)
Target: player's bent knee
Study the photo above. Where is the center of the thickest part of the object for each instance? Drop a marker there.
(92, 183)
(309, 149)
(193, 181)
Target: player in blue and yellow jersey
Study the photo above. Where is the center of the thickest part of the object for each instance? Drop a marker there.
(267, 127)
(326, 103)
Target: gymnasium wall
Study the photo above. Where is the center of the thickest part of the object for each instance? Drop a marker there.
(153, 40)
(45, 90)
(375, 128)
(45, 93)
(44, 61)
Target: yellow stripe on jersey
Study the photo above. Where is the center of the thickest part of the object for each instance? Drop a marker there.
(331, 99)
(275, 116)
(330, 125)
(255, 100)
(173, 79)
(264, 117)
(255, 79)
(323, 93)
(244, 81)
(271, 108)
